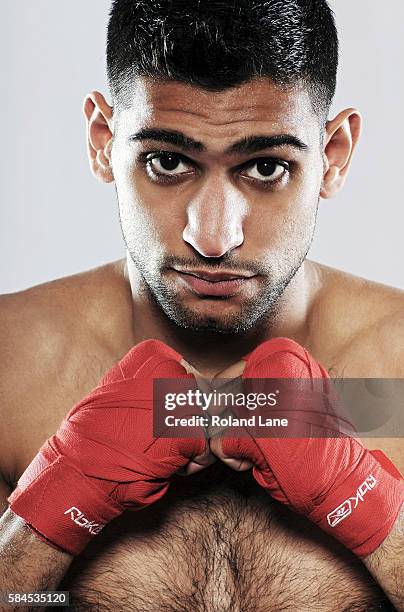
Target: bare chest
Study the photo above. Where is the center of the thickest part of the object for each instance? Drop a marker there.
(217, 543)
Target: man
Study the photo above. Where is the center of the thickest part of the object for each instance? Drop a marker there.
(219, 145)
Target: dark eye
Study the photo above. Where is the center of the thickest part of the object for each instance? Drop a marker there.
(169, 164)
(266, 170)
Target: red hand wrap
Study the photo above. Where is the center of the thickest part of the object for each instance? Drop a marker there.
(351, 493)
(104, 459)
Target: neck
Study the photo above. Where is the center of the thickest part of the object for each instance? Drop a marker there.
(211, 353)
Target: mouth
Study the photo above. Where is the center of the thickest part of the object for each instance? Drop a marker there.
(220, 284)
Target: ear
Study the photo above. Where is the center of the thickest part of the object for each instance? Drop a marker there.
(341, 137)
(98, 114)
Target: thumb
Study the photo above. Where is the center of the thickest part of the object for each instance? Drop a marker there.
(231, 452)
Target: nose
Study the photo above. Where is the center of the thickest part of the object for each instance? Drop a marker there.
(215, 218)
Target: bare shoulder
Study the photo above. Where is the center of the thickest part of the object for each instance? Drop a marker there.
(365, 293)
(62, 295)
(362, 322)
(54, 343)
(41, 320)
(366, 319)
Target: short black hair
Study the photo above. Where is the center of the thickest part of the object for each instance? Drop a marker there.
(218, 44)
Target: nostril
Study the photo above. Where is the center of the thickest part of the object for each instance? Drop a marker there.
(213, 244)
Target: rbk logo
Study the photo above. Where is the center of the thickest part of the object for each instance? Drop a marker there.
(345, 509)
(78, 517)
(338, 515)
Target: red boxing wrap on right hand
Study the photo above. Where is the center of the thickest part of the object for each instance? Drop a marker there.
(351, 493)
(104, 459)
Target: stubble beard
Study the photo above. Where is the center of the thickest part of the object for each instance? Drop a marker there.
(262, 309)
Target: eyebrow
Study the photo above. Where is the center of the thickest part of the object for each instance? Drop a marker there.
(250, 144)
(176, 138)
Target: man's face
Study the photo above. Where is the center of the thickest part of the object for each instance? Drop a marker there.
(222, 183)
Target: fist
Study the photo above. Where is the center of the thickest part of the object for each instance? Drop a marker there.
(349, 492)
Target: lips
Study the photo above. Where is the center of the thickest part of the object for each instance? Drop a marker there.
(214, 276)
(220, 284)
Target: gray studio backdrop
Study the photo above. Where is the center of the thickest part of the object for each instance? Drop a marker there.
(55, 219)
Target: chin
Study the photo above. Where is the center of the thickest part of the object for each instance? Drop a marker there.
(209, 315)
(196, 321)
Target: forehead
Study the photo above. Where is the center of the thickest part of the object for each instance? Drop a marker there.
(219, 118)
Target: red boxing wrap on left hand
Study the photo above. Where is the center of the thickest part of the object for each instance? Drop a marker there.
(349, 492)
